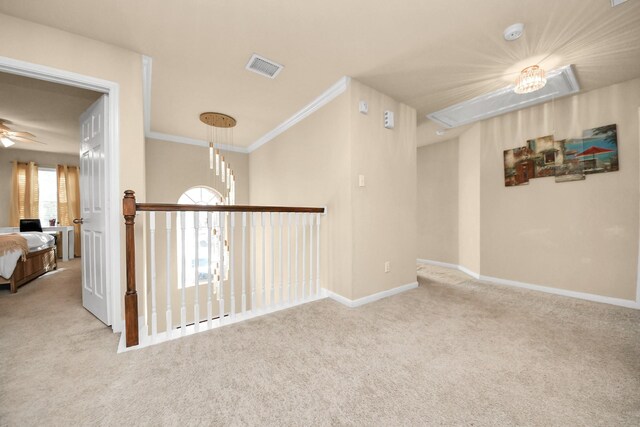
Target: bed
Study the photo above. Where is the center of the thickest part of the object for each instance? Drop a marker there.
(25, 256)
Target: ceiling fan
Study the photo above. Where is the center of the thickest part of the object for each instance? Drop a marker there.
(9, 137)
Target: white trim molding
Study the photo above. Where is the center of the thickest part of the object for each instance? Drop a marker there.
(147, 70)
(371, 298)
(112, 196)
(547, 289)
(465, 270)
(328, 95)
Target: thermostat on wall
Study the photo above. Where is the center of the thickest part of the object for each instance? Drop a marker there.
(388, 119)
(363, 107)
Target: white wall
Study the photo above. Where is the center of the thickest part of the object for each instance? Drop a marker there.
(317, 163)
(438, 202)
(38, 44)
(384, 211)
(310, 165)
(469, 213)
(578, 236)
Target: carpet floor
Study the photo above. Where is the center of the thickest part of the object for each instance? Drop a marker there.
(441, 354)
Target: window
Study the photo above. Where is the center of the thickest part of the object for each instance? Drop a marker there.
(198, 196)
(48, 195)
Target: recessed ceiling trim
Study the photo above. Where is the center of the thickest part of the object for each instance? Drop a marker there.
(560, 82)
(336, 89)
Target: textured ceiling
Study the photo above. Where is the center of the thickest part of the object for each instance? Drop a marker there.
(426, 53)
(48, 110)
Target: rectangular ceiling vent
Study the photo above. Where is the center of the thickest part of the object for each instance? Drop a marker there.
(560, 82)
(263, 66)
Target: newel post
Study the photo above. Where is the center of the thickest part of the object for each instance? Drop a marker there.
(130, 297)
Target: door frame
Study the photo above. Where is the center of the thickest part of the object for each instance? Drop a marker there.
(112, 195)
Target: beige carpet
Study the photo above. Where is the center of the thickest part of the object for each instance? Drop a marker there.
(435, 274)
(464, 354)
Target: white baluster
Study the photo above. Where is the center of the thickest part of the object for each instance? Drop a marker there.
(295, 284)
(304, 247)
(281, 274)
(209, 273)
(196, 273)
(272, 290)
(221, 283)
(169, 313)
(310, 254)
(152, 237)
(289, 258)
(264, 262)
(183, 303)
(252, 261)
(232, 283)
(244, 262)
(318, 254)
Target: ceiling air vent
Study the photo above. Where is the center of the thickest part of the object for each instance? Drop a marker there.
(560, 82)
(263, 66)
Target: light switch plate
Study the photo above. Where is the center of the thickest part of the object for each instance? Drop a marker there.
(363, 107)
(360, 180)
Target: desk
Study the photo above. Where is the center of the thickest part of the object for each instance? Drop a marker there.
(68, 242)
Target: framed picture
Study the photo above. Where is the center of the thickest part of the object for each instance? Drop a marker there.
(599, 150)
(572, 168)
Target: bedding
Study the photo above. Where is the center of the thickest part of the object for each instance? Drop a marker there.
(14, 248)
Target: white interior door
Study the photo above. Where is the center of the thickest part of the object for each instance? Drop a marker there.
(93, 123)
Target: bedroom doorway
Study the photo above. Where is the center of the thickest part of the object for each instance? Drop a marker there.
(104, 275)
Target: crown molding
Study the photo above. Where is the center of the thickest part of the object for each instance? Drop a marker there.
(147, 67)
(192, 141)
(328, 95)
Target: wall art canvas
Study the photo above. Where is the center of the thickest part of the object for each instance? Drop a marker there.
(600, 150)
(518, 166)
(571, 169)
(546, 154)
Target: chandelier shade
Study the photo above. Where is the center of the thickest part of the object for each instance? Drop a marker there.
(530, 79)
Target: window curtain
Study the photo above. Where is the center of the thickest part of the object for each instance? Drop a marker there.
(24, 192)
(69, 201)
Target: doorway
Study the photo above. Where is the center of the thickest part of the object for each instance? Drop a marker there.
(109, 275)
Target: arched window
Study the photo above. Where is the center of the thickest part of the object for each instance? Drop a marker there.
(197, 196)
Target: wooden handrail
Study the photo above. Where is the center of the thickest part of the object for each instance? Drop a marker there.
(166, 207)
(129, 209)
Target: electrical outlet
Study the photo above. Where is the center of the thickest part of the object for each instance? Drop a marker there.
(387, 266)
(360, 180)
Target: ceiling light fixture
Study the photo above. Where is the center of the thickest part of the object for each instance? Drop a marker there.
(220, 131)
(6, 142)
(530, 80)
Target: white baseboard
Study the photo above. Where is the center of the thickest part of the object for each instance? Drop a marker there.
(563, 292)
(438, 263)
(556, 291)
(371, 298)
(465, 270)
(468, 272)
